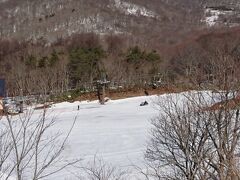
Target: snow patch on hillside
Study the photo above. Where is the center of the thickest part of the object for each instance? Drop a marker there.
(212, 15)
(133, 9)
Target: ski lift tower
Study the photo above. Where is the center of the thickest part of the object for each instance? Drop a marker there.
(101, 89)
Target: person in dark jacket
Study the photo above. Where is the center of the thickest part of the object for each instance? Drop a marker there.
(145, 103)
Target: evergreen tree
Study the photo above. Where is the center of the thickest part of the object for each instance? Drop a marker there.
(53, 59)
(84, 63)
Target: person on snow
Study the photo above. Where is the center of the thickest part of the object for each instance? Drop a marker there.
(145, 103)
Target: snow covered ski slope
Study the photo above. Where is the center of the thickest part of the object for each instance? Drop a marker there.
(116, 132)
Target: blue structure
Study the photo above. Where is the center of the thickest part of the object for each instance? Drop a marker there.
(2, 87)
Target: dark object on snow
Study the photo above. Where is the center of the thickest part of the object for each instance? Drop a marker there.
(146, 92)
(78, 107)
(2, 88)
(21, 107)
(99, 94)
(145, 103)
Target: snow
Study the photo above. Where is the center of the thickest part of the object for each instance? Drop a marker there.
(211, 20)
(4, 177)
(133, 9)
(117, 131)
(212, 16)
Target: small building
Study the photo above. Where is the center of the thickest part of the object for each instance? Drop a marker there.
(2, 88)
(2, 94)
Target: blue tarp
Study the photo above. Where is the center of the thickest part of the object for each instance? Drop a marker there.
(2, 87)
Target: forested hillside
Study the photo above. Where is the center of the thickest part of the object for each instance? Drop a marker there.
(53, 46)
(81, 60)
(50, 20)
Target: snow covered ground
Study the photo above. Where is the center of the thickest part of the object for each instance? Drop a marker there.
(133, 9)
(212, 15)
(116, 132)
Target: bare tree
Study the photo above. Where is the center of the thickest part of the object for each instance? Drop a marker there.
(5, 151)
(197, 134)
(192, 139)
(98, 169)
(29, 149)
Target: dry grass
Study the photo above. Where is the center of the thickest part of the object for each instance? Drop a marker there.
(229, 104)
(127, 93)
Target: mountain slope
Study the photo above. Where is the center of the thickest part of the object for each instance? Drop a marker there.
(144, 18)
